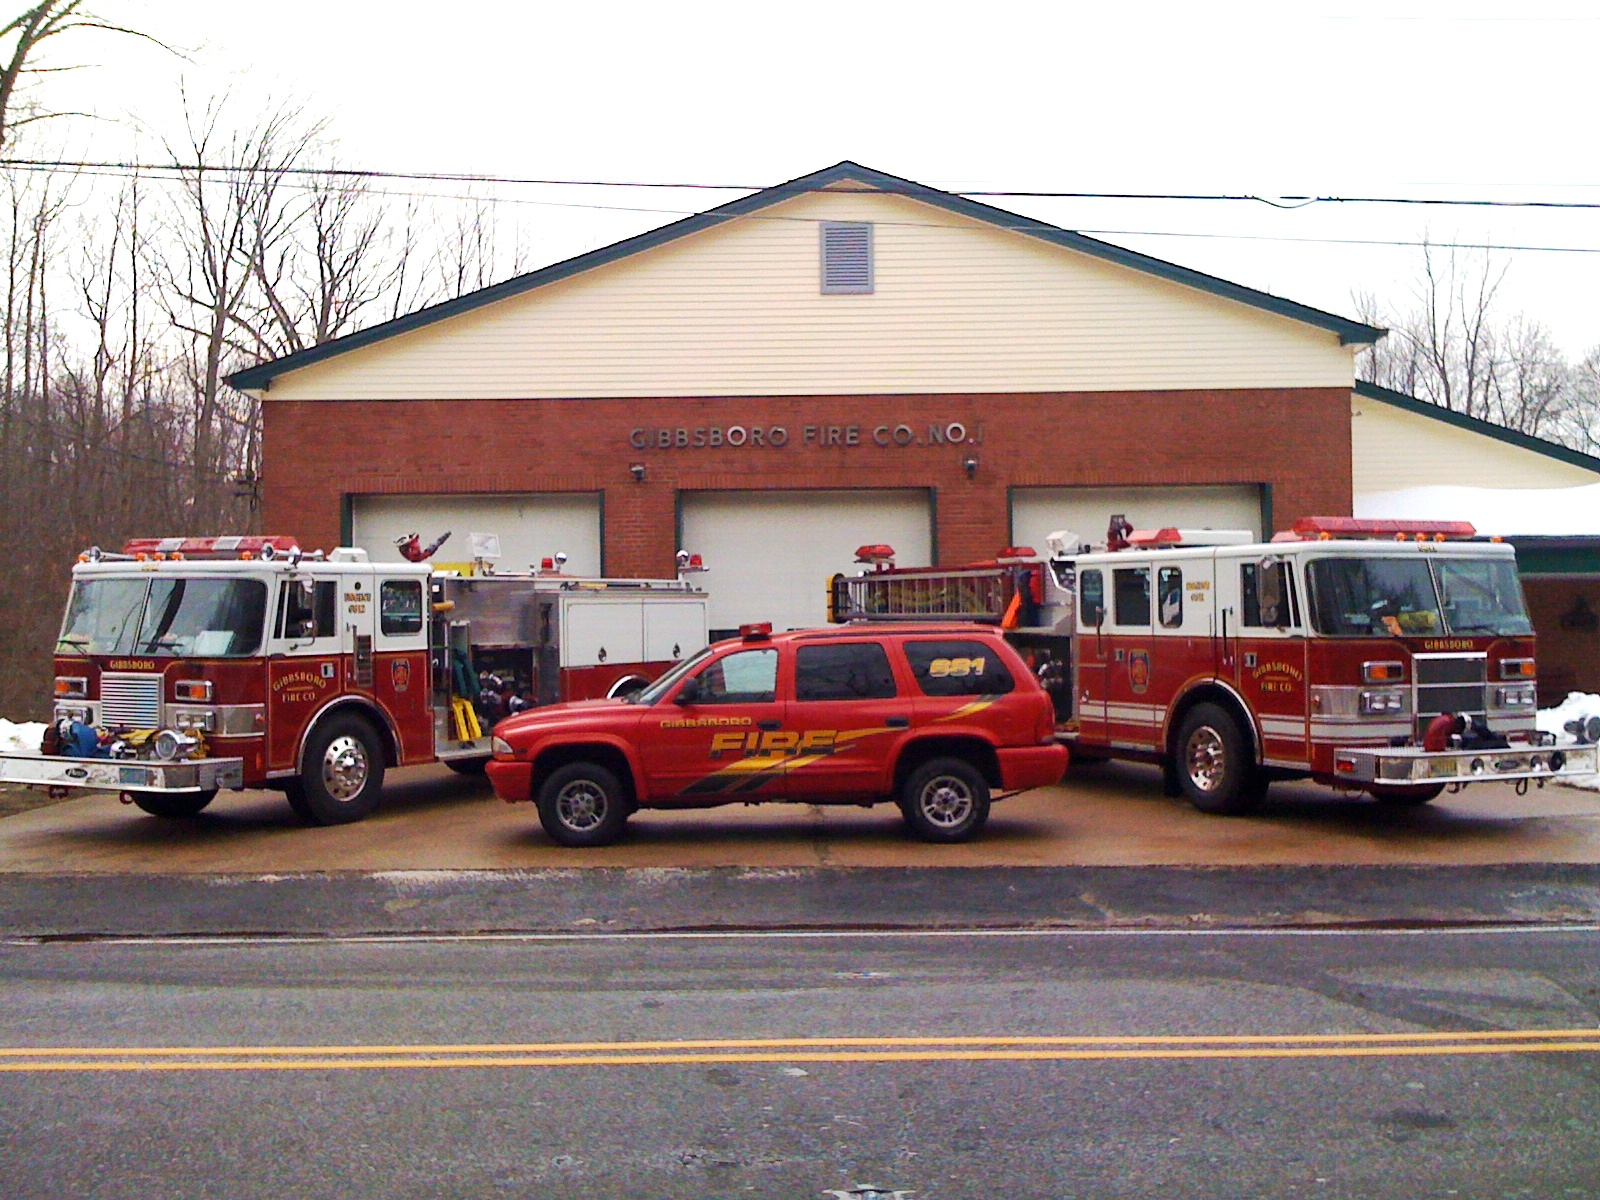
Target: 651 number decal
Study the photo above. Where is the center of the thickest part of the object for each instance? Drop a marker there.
(945, 668)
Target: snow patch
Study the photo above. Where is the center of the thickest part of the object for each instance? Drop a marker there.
(20, 738)
(1578, 706)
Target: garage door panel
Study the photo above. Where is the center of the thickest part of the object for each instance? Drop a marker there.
(769, 554)
(1038, 512)
(530, 527)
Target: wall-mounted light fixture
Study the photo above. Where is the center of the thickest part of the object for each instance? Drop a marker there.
(970, 466)
(638, 472)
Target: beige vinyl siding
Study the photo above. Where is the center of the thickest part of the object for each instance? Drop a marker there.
(957, 306)
(1394, 449)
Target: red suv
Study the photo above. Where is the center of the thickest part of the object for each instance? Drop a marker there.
(937, 718)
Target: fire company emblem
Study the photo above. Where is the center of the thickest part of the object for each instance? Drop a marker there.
(1139, 671)
(400, 673)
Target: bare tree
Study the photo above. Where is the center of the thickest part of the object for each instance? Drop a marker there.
(25, 35)
(1452, 348)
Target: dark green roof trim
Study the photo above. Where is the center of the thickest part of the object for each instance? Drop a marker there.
(1557, 555)
(1350, 332)
(1526, 441)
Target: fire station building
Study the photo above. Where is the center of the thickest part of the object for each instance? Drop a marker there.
(847, 358)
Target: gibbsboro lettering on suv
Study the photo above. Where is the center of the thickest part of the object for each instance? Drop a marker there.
(938, 718)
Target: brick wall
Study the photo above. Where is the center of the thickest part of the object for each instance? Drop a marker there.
(1295, 440)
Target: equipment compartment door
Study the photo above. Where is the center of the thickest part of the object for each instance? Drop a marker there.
(599, 630)
(673, 629)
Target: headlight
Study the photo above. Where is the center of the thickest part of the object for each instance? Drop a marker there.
(501, 747)
(1382, 702)
(1523, 695)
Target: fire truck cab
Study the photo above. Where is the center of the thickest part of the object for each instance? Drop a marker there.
(1394, 658)
(185, 666)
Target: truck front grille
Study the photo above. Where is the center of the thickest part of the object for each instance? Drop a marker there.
(1450, 683)
(130, 701)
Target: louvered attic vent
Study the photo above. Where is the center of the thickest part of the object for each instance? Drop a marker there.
(846, 257)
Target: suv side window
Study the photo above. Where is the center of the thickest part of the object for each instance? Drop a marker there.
(743, 677)
(958, 668)
(847, 671)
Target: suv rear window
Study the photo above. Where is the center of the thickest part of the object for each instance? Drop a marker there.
(849, 671)
(959, 668)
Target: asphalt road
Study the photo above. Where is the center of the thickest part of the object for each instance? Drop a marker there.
(1122, 1064)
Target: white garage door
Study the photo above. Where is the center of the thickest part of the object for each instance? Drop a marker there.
(530, 527)
(1037, 512)
(769, 554)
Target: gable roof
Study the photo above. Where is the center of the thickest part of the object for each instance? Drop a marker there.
(1349, 332)
(1511, 437)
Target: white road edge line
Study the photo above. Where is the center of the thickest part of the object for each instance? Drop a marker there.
(381, 939)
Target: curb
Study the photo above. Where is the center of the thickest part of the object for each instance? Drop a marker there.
(624, 900)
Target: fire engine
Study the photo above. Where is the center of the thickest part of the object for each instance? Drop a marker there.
(188, 665)
(1390, 657)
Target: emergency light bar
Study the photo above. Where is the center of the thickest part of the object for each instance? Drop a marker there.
(264, 547)
(1170, 537)
(1313, 528)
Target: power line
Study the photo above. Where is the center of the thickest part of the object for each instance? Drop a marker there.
(1283, 201)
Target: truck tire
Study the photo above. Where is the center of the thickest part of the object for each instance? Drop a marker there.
(945, 800)
(174, 808)
(1406, 797)
(1215, 771)
(341, 776)
(583, 804)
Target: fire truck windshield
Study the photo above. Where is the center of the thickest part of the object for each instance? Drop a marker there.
(1402, 597)
(165, 617)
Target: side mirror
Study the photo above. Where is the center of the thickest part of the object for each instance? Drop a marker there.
(689, 692)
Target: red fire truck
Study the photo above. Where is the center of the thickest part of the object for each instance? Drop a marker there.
(188, 665)
(1394, 658)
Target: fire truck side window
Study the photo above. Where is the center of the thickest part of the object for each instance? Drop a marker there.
(400, 606)
(1131, 595)
(1091, 598)
(849, 671)
(1267, 595)
(1169, 587)
(307, 614)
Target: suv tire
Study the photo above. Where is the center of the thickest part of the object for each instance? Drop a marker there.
(945, 800)
(583, 804)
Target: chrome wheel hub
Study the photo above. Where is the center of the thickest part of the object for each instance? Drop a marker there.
(345, 768)
(1206, 759)
(581, 805)
(946, 802)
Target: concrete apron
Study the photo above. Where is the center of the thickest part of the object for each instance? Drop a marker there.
(1104, 849)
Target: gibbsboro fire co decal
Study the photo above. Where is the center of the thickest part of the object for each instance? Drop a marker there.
(400, 673)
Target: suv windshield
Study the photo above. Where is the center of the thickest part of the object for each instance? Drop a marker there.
(1359, 597)
(199, 618)
(658, 689)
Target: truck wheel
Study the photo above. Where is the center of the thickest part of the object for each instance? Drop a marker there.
(1406, 797)
(176, 807)
(945, 800)
(583, 804)
(342, 774)
(1213, 763)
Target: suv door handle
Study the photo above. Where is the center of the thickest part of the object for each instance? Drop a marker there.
(897, 722)
(769, 724)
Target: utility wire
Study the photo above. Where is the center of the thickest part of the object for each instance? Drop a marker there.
(1287, 201)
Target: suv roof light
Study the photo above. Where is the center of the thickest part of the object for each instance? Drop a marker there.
(759, 631)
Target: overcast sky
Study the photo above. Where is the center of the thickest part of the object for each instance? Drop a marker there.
(1362, 99)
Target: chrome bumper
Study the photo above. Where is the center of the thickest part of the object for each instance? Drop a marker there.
(1405, 765)
(122, 774)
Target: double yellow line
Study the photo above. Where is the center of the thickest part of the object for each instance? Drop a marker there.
(788, 1050)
